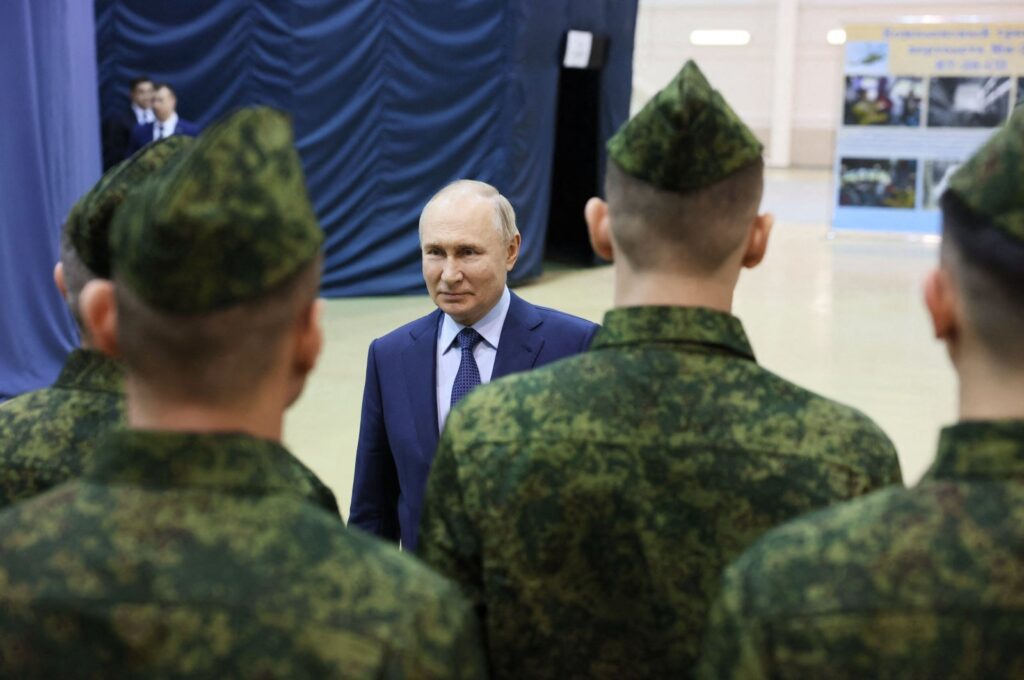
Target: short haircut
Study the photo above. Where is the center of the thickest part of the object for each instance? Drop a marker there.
(697, 230)
(138, 81)
(988, 268)
(76, 275)
(165, 86)
(504, 215)
(211, 358)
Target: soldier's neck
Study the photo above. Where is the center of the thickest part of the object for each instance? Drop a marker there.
(989, 392)
(634, 289)
(149, 411)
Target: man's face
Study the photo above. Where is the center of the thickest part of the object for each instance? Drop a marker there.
(163, 104)
(465, 261)
(142, 95)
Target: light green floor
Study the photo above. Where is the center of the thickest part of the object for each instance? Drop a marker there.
(843, 317)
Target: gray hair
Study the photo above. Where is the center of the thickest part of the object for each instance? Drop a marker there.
(504, 215)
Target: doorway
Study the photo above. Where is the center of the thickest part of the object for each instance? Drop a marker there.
(575, 174)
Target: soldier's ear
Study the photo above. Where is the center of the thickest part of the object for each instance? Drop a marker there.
(97, 306)
(310, 338)
(599, 228)
(58, 279)
(757, 240)
(940, 299)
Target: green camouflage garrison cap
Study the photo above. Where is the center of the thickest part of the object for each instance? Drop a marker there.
(686, 138)
(88, 223)
(991, 182)
(227, 222)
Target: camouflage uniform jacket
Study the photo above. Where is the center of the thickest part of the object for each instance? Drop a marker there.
(47, 435)
(588, 507)
(186, 555)
(925, 583)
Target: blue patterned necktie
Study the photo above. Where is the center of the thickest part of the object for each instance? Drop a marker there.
(468, 376)
(159, 131)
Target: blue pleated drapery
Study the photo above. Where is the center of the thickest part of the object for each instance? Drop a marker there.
(49, 156)
(391, 99)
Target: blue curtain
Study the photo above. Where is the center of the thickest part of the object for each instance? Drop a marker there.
(391, 99)
(49, 156)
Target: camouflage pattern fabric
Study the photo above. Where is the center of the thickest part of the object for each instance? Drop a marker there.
(588, 507)
(88, 224)
(925, 583)
(226, 222)
(183, 555)
(686, 138)
(46, 436)
(991, 182)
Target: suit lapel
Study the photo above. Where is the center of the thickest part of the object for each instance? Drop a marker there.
(520, 342)
(419, 361)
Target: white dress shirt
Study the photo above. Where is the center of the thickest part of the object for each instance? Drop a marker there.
(168, 127)
(142, 115)
(449, 357)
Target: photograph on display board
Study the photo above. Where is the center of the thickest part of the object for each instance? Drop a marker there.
(867, 58)
(877, 183)
(968, 102)
(936, 177)
(883, 100)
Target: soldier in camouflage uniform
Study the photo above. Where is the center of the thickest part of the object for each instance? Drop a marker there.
(195, 544)
(928, 582)
(588, 507)
(46, 435)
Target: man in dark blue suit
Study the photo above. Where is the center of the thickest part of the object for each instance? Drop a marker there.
(480, 331)
(165, 120)
(118, 128)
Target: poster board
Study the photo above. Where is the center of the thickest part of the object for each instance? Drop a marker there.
(918, 99)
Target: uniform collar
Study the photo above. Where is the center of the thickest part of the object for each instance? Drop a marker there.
(980, 448)
(695, 326)
(489, 327)
(90, 371)
(229, 462)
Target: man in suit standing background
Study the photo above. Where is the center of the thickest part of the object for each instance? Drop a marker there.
(165, 120)
(479, 332)
(118, 128)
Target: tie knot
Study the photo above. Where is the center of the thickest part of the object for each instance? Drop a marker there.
(467, 338)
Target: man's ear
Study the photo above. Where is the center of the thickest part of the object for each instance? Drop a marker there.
(513, 252)
(310, 339)
(97, 306)
(58, 278)
(599, 228)
(941, 301)
(757, 241)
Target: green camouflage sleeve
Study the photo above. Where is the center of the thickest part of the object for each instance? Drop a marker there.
(448, 540)
(734, 643)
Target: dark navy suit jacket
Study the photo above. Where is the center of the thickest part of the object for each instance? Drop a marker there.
(398, 432)
(143, 133)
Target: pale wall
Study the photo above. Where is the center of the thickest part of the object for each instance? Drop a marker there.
(745, 74)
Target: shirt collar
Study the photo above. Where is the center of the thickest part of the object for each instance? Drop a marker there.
(142, 115)
(694, 326)
(980, 448)
(231, 462)
(489, 327)
(90, 371)
(170, 123)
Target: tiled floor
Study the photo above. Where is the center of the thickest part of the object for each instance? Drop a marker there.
(841, 316)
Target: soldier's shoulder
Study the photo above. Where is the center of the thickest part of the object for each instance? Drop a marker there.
(823, 415)
(786, 569)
